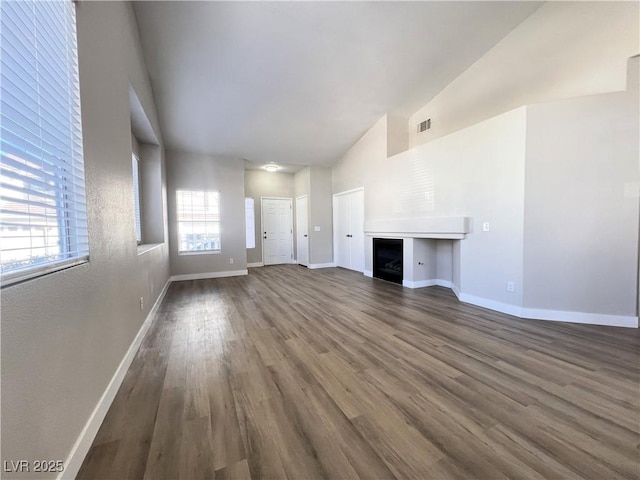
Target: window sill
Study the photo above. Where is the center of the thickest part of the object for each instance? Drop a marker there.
(202, 252)
(147, 247)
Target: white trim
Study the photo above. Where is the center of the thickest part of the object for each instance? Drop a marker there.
(455, 290)
(313, 266)
(491, 304)
(444, 283)
(552, 315)
(255, 264)
(81, 448)
(368, 273)
(200, 276)
(419, 283)
(580, 317)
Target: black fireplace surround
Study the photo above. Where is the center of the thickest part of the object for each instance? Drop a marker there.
(387, 259)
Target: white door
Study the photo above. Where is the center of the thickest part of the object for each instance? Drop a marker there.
(348, 227)
(341, 229)
(302, 230)
(277, 233)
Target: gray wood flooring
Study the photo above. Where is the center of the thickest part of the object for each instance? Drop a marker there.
(299, 374)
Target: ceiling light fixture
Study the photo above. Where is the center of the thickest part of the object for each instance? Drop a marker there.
(271, 168)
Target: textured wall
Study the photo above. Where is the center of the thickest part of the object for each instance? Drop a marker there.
(191, 171)
(258, 184)
(64, 334)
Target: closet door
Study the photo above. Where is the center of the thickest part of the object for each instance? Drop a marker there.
(348, 228)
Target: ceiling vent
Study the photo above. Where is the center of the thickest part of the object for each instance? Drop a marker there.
(423, 126)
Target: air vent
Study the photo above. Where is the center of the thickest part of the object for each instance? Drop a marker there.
(423, 126)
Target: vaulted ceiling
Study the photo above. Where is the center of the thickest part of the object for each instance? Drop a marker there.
(299, 82)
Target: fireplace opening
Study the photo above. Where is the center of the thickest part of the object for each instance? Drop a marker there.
(387, 259)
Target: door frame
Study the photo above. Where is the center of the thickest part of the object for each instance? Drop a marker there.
(262, 224)
(333, 207)
(297, 259)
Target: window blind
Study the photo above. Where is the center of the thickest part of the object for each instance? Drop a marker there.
(42, 191)
(136, 197)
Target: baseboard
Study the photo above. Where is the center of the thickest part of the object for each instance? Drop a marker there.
(313, 266)
(552, 315)
(200, 276)
(490, 304)
(368, 273)
(580, 317)
(444, 283)
(83, 444)
(427, 283)
(255, 264)
(419, 283)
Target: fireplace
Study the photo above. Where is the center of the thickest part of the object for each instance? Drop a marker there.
(387, 259)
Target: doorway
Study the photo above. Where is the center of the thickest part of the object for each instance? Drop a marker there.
(277, 231)
(302, 230)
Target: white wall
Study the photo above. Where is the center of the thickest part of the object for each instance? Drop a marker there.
(564, 49)
(258, 184)
(320, 216)
(64, 334)
(581, 224)
(192, 171)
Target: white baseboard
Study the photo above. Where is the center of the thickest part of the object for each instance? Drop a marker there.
(581, 317)
(418, 283)
(81, 448)
(255, 264)
(368, 273)
(491, 304)
(444, 283)
(200, 276)
(313, 266)
(426, 283)
(455, 290)
(552, 315)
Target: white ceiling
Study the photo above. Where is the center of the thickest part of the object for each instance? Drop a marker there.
(299, 82)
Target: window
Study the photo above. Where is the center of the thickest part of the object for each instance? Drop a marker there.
(135, 165)
(42, 192)
(249, 215)
(198, 216)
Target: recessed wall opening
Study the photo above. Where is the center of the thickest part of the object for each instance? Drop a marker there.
(387, 259)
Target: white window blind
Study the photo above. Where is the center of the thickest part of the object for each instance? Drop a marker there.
(249, 214)
(198, 218)
(42, 193)
(135, 163)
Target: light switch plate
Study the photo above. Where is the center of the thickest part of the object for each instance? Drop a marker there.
(485, 226)
(316, 229)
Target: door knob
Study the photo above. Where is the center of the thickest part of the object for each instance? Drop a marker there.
(305, 235)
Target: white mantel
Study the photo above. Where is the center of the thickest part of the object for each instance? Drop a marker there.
(454, 228)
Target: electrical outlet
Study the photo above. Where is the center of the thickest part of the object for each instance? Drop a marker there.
(231, 260)
(485, 226)
(511, 287)
(141, 304)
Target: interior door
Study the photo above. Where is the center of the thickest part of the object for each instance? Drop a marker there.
(277, 233)
(341, 227)
(302, 230)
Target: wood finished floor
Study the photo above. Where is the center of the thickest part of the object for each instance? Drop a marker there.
(291, 373)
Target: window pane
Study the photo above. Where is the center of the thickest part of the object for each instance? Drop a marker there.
(136, 197)
(198, 216)
(42, 195)
(249, 214)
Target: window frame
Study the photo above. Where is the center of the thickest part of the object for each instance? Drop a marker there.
(42, 171)
(137, 198)
(180, 222)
